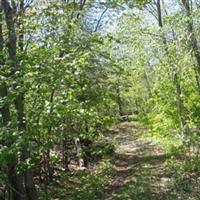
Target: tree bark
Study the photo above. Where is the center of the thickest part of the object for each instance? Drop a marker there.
(179, 100)
(79, 150)
(65, 153)
(15, 181)
(193, 41)
(31, 193)
(119, 101)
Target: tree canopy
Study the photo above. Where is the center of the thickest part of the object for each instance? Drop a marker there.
(70, 71)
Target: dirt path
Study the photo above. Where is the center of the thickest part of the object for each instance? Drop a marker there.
(139, 169)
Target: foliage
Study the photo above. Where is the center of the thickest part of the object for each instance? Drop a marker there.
(62, 86)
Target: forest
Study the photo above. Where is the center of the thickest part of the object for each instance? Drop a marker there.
(99, 99)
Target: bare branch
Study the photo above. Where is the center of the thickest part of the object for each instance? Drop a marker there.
(99, 21)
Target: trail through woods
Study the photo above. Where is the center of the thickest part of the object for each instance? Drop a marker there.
(140, 170)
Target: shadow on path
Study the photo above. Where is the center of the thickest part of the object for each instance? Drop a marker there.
(139, 169)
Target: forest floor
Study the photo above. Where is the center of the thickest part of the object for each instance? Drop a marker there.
(141, 170)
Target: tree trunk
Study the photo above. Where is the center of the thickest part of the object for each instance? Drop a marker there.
(180, 103)
(193, 41)
(46, 179)
(31, 193)
(119, 101)
(65, 153)
(147, 84)
(160, 23)
(15, 181)
(79, 150)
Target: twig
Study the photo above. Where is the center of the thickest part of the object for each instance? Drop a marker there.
(99, 21)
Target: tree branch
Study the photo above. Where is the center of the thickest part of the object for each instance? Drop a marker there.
(99, 21)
